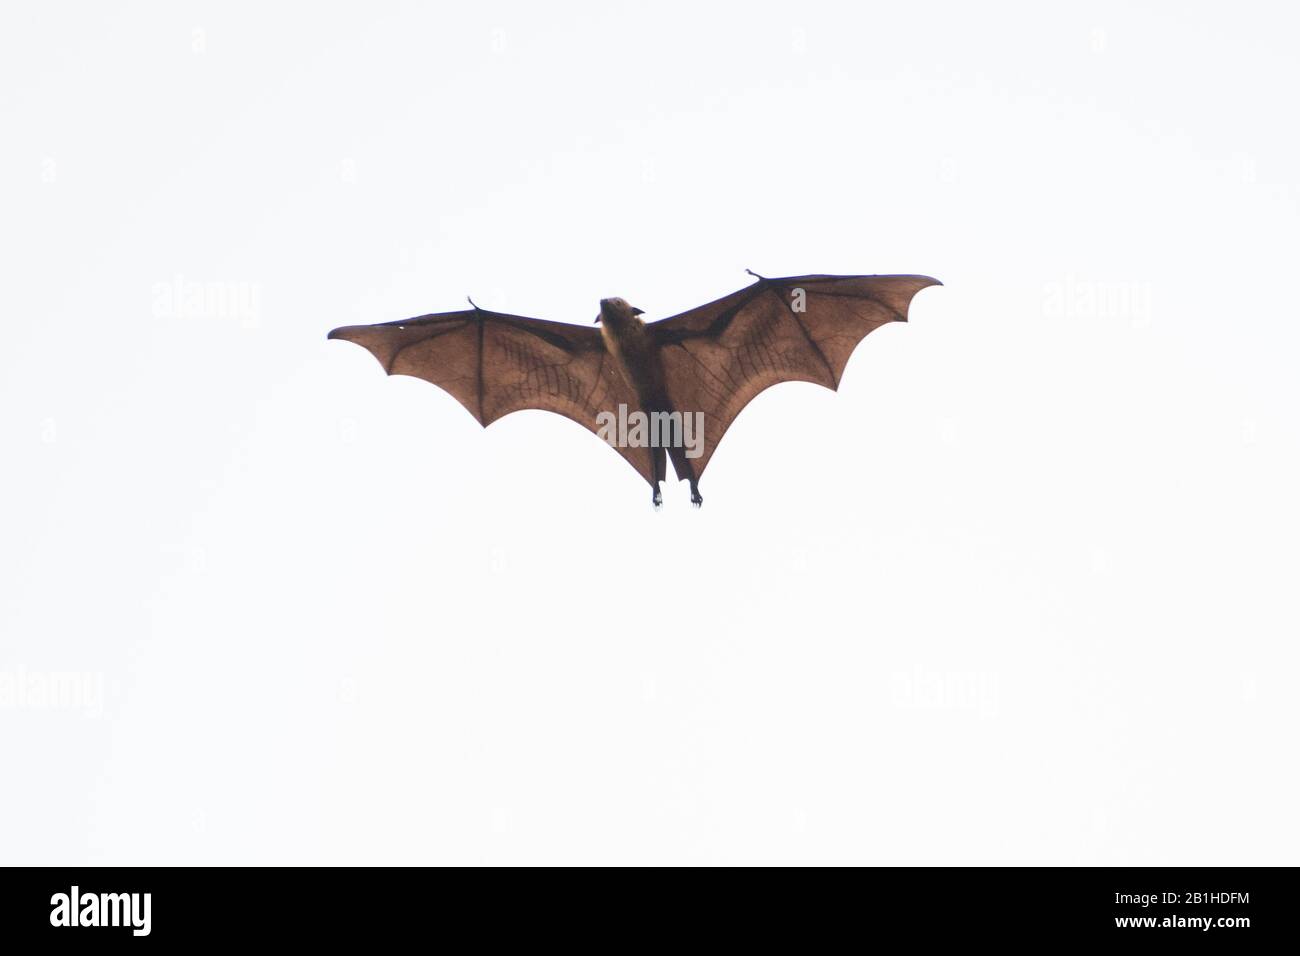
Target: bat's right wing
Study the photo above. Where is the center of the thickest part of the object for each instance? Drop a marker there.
(718, 357)
(495, 364)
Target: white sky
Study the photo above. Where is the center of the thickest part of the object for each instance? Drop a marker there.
(1021, 592)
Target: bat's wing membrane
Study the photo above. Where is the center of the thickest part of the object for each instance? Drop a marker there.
(718, 357)
(495, 364)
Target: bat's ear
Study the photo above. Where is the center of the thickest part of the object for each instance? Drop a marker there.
(636, 311)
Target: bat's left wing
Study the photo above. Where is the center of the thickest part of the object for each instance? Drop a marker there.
(495, 364)
(718, 357)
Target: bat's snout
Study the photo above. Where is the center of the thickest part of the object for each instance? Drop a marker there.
(617, 309)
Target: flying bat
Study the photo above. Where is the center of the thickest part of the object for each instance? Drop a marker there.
(653, 390)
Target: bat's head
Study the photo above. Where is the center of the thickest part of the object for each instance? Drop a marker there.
(616, 311)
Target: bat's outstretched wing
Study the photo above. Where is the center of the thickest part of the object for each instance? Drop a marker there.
(495, 364)
(718, 357)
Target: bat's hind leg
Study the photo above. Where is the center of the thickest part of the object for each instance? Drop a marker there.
(686, 472)
(660, 473)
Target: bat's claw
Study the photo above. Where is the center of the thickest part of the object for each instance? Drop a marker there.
(657, 499)
(696, 498)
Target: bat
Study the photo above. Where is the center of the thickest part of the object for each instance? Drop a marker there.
(653, 390)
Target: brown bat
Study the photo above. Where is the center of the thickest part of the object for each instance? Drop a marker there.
(664, 389)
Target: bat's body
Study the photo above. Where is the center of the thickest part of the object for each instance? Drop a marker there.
(705, 364)
(632, 346)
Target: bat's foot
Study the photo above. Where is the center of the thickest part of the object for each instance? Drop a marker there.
(696, 498)
(657, 499)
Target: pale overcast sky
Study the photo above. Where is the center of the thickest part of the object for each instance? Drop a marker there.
(1023, 591)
